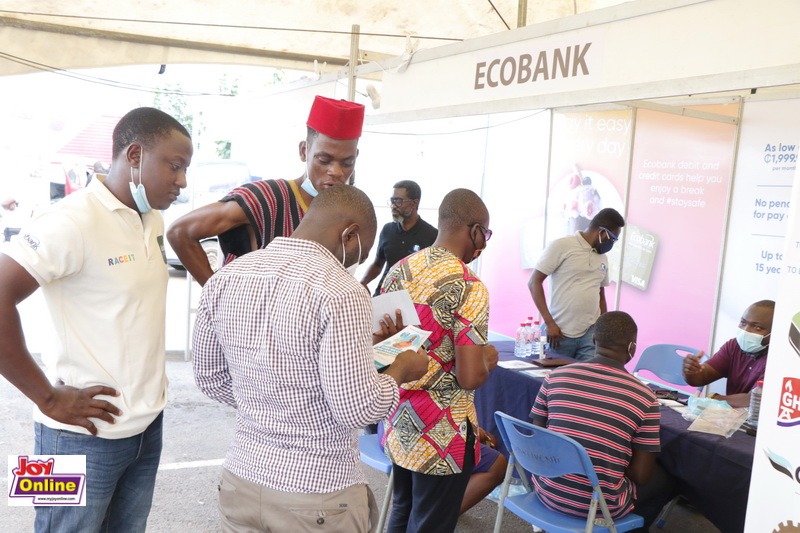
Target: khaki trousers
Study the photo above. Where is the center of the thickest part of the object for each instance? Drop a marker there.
(246, 507)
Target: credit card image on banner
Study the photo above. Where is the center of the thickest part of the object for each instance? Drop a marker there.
(640, 254)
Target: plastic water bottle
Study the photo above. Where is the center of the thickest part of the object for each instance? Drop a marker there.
(521, 341)
(543, 340)
(755, 403)
(537, 350)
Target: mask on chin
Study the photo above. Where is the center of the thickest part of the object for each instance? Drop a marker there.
(750, 343)
(309, 187)
(352, 268)
(138, 192)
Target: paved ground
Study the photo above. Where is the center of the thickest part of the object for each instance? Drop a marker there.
(196, 434)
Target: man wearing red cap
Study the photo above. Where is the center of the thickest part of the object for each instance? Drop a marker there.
(251, 216)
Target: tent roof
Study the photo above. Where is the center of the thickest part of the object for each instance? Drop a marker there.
(96, 33)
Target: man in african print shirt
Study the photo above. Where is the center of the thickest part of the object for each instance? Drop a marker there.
(431, 435)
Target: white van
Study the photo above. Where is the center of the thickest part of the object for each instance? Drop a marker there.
(207, 182)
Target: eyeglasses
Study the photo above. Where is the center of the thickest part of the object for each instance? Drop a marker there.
(487, 233)
(610, 233)
(396, 201)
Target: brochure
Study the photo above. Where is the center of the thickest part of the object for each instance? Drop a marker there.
(409, 338)
(388, 303)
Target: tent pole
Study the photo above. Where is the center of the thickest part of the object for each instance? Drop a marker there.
(522, 13)
(351, 66)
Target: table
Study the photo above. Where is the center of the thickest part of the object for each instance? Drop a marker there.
(713, 472)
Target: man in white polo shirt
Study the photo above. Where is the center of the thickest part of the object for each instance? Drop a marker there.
(98, 256)
(578, 269)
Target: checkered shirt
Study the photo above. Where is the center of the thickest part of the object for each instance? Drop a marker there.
(284, 335)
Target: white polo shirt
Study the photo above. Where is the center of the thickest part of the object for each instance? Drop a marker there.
(103, 274)
(576, 273)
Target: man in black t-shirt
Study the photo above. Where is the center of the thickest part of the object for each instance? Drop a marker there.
(406, 235)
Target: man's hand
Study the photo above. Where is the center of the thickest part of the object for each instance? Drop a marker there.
(692, 365)
(486, 438)
(490, 356)
(75, 406)
(388, 327)
(554, 334)
(409, 366)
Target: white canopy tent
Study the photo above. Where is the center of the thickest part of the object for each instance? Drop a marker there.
(95, 33)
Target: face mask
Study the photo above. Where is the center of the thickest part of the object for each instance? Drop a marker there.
(352, 268)
(631, 351)
(750, 342)
(309, 187)
(138, 192)
(478, 251)
(604, 247)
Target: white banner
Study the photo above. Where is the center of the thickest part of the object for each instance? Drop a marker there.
(774, 501)
(759, 219)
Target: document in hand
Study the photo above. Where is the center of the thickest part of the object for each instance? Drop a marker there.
(387, 303)
(409, 338)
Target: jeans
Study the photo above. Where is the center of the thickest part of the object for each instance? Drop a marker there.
(120, 478)
(581, 348)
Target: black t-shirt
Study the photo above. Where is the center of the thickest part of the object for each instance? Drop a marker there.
(394, 244)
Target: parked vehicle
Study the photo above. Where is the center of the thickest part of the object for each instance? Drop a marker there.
(207, 182)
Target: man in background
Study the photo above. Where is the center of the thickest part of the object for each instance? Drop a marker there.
(284, 336)
(578, 268)
(251, 216)
(406, 235)
(619, 428)
(98, 256)
(742, 360)
(431, 436)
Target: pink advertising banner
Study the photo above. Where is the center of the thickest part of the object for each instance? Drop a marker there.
(680, 180)
(515, 195)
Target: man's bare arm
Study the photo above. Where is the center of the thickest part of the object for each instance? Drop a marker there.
(65, 404)
(211, 220)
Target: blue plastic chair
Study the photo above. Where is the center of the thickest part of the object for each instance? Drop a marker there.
(666, 362)
(369, 446)
(546, 453)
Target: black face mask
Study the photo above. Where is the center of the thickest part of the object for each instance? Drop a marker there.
(604, 247)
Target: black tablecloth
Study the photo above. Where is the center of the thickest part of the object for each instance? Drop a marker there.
(714, 472)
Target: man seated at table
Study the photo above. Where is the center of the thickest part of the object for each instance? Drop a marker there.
(743, 359)
(616, 418)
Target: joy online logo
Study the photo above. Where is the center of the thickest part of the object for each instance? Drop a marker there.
(789, 409)
(37, 479)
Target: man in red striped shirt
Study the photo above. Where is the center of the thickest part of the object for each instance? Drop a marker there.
(249, 217)
(616, 418)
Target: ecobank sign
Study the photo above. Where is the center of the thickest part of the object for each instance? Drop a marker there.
(540, 66)
(548, 65)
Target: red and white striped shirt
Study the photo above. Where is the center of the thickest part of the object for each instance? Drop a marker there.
(284, 335)
(609, 412)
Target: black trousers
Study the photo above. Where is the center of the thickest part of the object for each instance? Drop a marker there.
(651, 498)
(423, 503)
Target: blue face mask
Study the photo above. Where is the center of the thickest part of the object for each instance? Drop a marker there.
(309, 187)
(750, 343)
(138, 192)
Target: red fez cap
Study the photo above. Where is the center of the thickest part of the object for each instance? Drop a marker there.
(338, 119)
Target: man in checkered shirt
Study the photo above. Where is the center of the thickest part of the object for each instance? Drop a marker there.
(283, 334)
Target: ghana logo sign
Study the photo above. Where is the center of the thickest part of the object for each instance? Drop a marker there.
(46, 480)
(789, 409)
